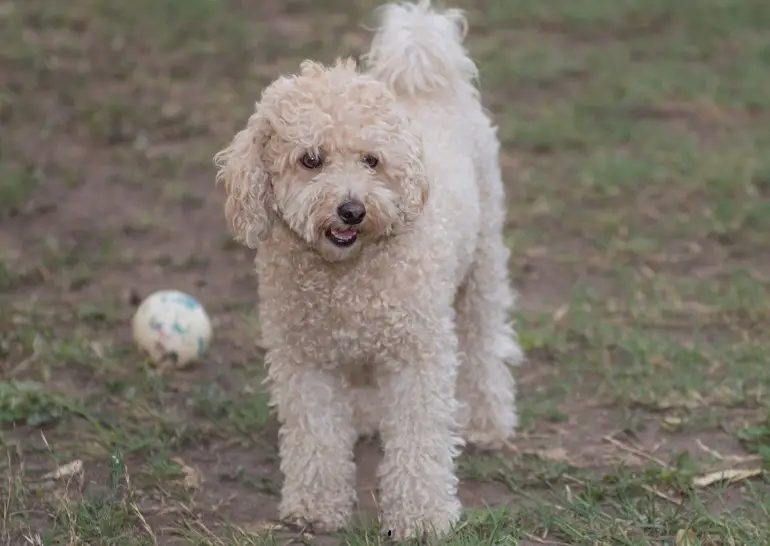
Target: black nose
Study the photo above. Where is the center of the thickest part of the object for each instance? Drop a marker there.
(351, 212)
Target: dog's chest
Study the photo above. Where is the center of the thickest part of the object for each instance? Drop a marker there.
(335, 321)
(347, 321)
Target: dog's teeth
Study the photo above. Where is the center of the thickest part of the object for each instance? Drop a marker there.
(343, 233)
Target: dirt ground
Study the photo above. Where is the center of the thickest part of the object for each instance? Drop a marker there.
(639, 186)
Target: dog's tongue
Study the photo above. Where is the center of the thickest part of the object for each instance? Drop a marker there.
(343, 233)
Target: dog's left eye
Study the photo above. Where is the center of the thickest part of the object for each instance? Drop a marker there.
(311, 161)
(370, 161)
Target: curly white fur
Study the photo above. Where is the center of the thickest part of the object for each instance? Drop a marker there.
(405, 330)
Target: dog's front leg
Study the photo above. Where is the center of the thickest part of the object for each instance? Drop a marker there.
(418, 485)
(316, 442)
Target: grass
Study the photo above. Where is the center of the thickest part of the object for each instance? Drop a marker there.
(634, 150)
(15, 185)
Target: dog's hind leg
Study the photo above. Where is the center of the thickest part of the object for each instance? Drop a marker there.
(488, 346)
(488, 343)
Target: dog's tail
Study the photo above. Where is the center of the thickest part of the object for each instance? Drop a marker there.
(419, 51)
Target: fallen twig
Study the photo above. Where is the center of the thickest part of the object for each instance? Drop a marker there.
(730, 460)
(630, 449)
(662, 495)
(729, 476)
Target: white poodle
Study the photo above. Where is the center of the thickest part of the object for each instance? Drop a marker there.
(376, 205)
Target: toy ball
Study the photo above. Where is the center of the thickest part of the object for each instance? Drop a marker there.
(172, 328)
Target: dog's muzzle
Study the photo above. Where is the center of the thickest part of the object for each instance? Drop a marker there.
(351, 212)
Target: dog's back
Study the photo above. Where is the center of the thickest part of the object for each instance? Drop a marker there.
(418, 52)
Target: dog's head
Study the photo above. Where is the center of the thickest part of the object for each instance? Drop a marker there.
(329, 153)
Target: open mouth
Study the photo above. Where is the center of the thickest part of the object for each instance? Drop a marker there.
(342, 236)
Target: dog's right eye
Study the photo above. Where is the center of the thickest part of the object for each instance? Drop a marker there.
(311, 161)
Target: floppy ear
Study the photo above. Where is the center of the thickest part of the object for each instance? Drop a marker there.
(410, 174)
(247, 184)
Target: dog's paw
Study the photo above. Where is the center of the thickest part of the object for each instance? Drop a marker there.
(399, 525)
(303, 524)
(298, 524)
(490, 442)
(320, 516)
(491, 436)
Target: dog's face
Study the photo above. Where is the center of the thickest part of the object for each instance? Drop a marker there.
(328, 153)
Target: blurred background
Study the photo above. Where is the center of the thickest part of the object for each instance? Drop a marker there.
(635, 154)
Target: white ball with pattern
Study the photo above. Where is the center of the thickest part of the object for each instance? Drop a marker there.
(172, 328)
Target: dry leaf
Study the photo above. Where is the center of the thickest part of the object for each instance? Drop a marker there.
(98, 348)
(265, 527)
(262, 527)
(38, 348)
(671, 422)
(192, 478)
(70, 469)
(647, 272)
(560, 313)
(629, 459)
(729, 475)
(685, 538)
(553, 454)
(536, 251)
(689, 400)
(688, 538)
